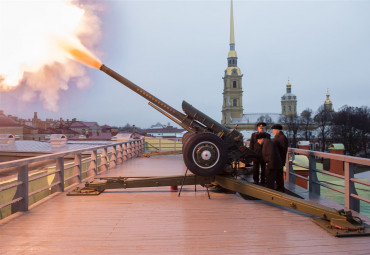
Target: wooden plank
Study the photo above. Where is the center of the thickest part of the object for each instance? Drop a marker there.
(157, 221)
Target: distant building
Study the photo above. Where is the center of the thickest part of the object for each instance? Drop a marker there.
(106, 129)
(92, 137)
(232, 104)
(38, 130)
(32, 133)
(9, 125)
(38, 123)
(85, 127)
(328, 105)
(159, 130)
(328, 108)
(289, 102)
(63, 130)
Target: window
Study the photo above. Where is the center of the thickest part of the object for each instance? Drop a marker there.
(235, 84)
(235, 102)
(289, 108)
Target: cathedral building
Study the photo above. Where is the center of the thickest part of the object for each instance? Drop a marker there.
(232, 107)
(233, 116)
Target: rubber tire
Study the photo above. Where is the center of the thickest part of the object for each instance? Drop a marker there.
(192, 158)
(186, 136)
(185, 140)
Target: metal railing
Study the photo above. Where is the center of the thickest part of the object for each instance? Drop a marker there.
(162, 144)
(58, 171)
(351, 197)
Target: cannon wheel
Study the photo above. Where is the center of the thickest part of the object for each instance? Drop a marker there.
(186, 137)
(205, 154)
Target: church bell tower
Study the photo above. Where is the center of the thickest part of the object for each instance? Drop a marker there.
(289, 102)
(232, 107)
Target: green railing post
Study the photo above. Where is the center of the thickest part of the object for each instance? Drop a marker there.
(289, 171)
(313, 185)
(349, 201)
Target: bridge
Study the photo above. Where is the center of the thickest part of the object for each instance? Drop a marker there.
(40, 219)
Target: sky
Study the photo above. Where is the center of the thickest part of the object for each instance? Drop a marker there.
(177, 50)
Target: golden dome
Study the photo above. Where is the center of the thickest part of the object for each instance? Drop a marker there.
(328, 101)
(288, 85)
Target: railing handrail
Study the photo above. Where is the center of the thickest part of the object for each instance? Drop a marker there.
(19, 201)
(25, 161)
(351, 198)
(350, 159)
(163, 144)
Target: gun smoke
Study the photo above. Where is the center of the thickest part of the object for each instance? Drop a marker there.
(40, 41)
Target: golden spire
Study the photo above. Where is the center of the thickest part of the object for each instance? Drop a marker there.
(232, 52)
(232, 39)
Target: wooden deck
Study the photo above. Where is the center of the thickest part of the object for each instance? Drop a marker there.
(157, 221)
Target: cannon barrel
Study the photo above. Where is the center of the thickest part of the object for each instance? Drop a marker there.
(207, 121)
(178, 115)
(193, 120)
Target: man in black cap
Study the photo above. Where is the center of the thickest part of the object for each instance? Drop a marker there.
(270, 155)
(282, 144)
(256, 147)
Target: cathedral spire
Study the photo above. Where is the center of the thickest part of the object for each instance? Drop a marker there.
(232, 38)
(232, 57)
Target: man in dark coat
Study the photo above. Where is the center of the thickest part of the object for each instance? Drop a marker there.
(270, 155)
(254, 146)
(282, 145)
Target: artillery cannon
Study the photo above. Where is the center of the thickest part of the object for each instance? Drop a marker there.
(209, 148)
(212, 153)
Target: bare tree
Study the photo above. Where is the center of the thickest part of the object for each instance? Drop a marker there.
(362, 123)
(265, 118)
(322, 120)
(292, 123)
(351, 127)
(343, 131)
(130, 128)
(307, 123)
